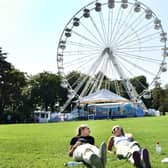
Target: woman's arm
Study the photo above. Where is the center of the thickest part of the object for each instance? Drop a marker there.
(130, 136)
(73, 147)
(110, 143)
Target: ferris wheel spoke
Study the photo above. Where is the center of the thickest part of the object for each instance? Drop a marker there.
(130, 29)
(82, 54)
(109, 24)
(149, 37)
(127, 28)
(118, 25)
(99, 82)
(127, 24)
(117, 89)
(127, 18)
(98, 79)
(85, 38)
(91, 73)
(142, 47)
(78, 81)
(114, 77)
(135, 43)
(138, 57)
(132, 38)
(103, 26)
(103, 74)
(126, 82)
(75, 57)
(141, 41)
(71, 52)
(91, 33)
(114, 26)
(78, 61)
(82, 45)
(82, 57)
(125, 69)
(82, 78)
(142, 44)
(142, 51)
(95, 83)
(82, 64)
(112, 71)
(141, 30)
(97, 29)
(136, 66)
(135, 37)
(83, 81)
(132, 75)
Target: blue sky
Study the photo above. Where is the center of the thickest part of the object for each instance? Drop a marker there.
(30, 29)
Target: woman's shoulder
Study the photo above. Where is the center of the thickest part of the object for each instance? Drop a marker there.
(75, 137)
(74, 140)
(91, 137)
(88, 137)
(130, 136)
(91, 140)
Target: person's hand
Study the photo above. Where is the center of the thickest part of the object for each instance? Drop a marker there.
(77, 144)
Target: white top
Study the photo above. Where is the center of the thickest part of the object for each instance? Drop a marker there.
(120, 140)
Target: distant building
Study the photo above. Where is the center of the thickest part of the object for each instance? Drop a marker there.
(42, 116)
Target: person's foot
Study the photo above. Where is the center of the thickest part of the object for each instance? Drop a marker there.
(137, 159)
(103, 154)
(145, 158)
(95, 161)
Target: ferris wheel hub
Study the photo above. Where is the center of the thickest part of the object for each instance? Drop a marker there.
(107, 51)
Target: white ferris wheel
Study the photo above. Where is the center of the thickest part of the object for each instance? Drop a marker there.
(116, 39)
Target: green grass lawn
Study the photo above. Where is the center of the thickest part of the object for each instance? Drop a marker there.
(46, 145)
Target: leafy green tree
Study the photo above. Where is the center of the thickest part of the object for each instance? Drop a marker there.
(46, 91)
(158, 99)
(166, 98)
(5, 68)
(11, 83)
(17, 98)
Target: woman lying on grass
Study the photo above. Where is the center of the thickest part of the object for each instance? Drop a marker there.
(82, 148)
(127, 148)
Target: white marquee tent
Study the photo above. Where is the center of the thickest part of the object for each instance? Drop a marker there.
(102, 96)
